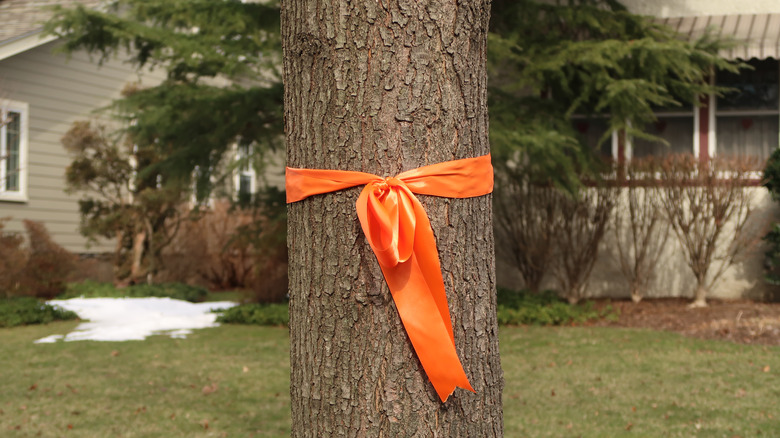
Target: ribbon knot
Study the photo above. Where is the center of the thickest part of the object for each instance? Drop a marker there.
(399, 232)
(391, 220)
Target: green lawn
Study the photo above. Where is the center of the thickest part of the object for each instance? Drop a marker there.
(229, 381)
(233, 381)
(602, 382)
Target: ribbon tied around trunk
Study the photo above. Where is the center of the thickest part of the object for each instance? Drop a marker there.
(399, 233)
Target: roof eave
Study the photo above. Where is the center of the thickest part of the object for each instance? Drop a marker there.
(22, 43)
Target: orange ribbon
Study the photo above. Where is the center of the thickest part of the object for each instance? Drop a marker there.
(400, 234)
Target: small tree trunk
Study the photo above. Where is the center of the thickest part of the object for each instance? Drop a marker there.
(138, 252)
(382, 87)
(636, 292)
(700, 297)
(574, 295)
(534, 284)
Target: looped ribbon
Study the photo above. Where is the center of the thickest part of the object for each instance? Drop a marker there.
(400, 234)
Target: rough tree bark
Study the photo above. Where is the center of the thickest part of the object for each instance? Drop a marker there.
(383, 86)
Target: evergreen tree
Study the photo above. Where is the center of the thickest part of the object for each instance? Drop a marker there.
(551, 60)
(222, 86)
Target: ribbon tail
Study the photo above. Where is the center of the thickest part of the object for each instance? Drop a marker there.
(418, 291)
(428, 332)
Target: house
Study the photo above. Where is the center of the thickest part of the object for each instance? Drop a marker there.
(41, 94)
(743, 123)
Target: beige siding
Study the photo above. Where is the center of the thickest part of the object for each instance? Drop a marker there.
(59, 91)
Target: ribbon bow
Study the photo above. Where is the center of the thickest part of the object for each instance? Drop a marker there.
(400, 234)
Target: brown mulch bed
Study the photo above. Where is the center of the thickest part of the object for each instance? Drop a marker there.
(741, 321)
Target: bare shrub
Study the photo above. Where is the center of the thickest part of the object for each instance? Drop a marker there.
(206, 249)
(708, 206)
(581, 225)
(228, 247)
(641, 231)
(48, 265)
(269, 238)
(525, 214)
(13, 258)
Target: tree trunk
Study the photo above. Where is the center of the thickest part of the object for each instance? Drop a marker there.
(700, 296)
(138, 253)
(385, 86)
(637, 290)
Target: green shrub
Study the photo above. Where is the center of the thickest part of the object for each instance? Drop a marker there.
(772, 255)
(91, 289)
(514, 308)
(28, 310)
(772, 175)
(88, 289)
(544, 308)
(258, 314)
(179, 291)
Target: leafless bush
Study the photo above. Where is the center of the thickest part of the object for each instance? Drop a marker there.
(641, 231)
(13, 258)
(708, 206)
(544, 230)
(581, 225)
(48, 265)
(227, 247)
(525, 214)
(206, 251)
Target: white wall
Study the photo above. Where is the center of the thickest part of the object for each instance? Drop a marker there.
(682, 8)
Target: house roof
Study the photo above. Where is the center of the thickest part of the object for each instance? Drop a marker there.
(21, 22)
(755, 35)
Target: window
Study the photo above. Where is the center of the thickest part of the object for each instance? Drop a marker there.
(677, 128)
(592, 130)
(747, 119)
(744, 122)
(13, 151)
(245, 178)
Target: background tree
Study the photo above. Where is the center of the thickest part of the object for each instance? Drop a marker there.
(382, 87)
(222, 85)
(552, 60)
(123, 199)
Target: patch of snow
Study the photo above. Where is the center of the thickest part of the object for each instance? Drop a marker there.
(134, 319)
(49, 339)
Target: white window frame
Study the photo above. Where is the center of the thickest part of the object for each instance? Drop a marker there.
(249, 171)
(23, 109)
